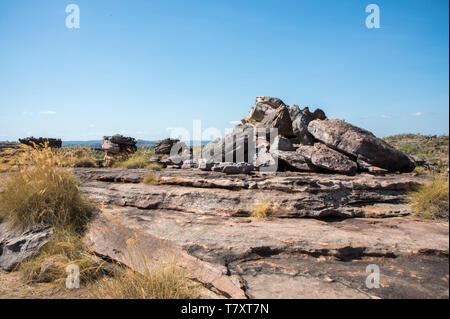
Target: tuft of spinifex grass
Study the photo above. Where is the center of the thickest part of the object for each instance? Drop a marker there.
(150, 179)
(431, 201)
(162, 279)
(262, 211)
(41, 192)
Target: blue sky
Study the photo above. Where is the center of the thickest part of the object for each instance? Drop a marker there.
(141, 67)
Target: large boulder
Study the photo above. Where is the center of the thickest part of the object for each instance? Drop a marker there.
(360, 144)
(165, 146)
(294, 161)
(324, 157)
(281, 143)
(279, 119)
(300, 121)
(238, 146)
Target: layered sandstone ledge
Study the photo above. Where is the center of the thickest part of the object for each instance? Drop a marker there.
(202, 219)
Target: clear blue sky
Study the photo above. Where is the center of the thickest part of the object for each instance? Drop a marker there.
(140, 67)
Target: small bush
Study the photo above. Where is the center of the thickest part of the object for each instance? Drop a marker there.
(262, 210)
(164, 280)
(150, 179)
(431, 201)
(137, 160)
(42, 193)
(154, 166)
(132, 163)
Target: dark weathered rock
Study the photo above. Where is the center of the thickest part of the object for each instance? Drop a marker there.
(280, 120)
(322, 156)
(300, 121)
(41, 141)
(274, 102)
(233, 168)
(119, 144)
(17, 247)
(238, 146)
(360, 144)
(165, 146)
(295, 161)
(9, 145)
(281, 143)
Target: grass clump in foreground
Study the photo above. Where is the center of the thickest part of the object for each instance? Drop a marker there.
(164, 280)
(42, 193)
(150, 179)
(431, 201)
(64, 249)
(262, 211)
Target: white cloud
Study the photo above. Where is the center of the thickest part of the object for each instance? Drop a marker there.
(417, 114)
(235, 122)
(386, 116)
(47, 112)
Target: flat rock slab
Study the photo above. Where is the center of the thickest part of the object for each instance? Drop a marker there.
(291, 195)
(262, 257)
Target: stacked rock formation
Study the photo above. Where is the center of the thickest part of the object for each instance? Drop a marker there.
(165, 146)
(118, 148)
(304, 141)
(41, 141)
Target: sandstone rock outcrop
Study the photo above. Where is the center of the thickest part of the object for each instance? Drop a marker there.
(118, 148)
(300, 121)
(41, 141)
(165, 146)
(329, 146)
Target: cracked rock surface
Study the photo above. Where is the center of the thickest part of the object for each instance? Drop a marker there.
(202, 219)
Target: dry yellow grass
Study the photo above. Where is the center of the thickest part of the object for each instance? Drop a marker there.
(137, 160)
(154, 166)
(43, 193)
(262, 211)
(64, 249)
(150, 179)
(161, 280)
(431, 201)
